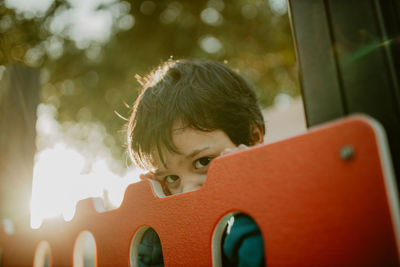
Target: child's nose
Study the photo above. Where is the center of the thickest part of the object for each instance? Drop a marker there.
(192, 184)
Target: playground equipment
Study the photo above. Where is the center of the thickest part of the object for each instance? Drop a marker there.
(324, 198)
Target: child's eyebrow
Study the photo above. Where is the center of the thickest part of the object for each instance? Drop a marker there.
(197, 151)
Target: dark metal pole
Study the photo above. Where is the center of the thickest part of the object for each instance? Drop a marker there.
(348, 53)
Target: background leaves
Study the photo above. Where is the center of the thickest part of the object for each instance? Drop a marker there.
(90, 51)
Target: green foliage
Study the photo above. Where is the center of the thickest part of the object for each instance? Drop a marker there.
(90, 81)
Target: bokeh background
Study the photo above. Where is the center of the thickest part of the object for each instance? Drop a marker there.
(88, 52)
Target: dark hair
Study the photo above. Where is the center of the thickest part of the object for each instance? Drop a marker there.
(203, 95)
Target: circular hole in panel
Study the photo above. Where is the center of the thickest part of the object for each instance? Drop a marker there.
(42, 255)
(85, 250)
(146, 241)
(233, 229)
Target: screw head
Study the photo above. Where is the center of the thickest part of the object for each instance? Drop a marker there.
(347, 152)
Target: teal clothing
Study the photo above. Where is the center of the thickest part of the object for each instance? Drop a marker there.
(243, 246)
(150, 251)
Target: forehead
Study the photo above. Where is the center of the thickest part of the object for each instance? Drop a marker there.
(187, 139)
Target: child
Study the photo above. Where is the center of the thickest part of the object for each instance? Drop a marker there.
(190, 112)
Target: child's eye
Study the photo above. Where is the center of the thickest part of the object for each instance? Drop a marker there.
(202, 162)
(170, 179)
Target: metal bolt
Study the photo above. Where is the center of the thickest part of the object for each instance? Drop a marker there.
(347, 152)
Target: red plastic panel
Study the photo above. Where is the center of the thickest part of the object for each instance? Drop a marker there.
(314, 208)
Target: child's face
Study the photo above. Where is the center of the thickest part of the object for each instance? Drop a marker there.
(186, 171)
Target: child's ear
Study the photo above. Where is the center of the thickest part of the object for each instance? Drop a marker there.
(257, 135)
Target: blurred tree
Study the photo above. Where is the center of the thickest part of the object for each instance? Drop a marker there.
(88, 60)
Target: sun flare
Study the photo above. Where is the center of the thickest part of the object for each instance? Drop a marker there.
(65, 172)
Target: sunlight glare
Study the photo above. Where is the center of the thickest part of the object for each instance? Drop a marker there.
(55, 172)
(71, 165)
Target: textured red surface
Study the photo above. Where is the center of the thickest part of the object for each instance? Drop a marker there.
(313, 208)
